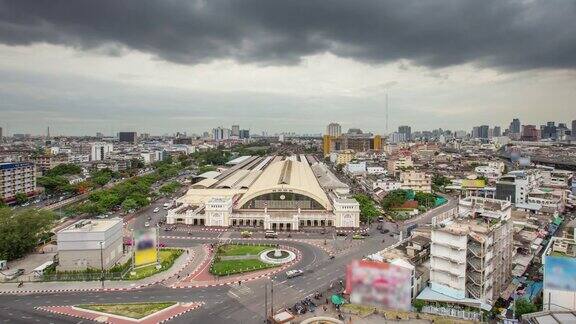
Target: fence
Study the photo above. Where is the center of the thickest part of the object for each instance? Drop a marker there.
(453, 312)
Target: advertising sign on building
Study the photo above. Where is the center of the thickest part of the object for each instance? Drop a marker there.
(560, 273)
(145, 251)
(379, 284)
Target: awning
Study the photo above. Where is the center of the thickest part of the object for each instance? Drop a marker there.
(337, 299)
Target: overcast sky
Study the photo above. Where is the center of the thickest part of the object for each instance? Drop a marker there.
(178, 65)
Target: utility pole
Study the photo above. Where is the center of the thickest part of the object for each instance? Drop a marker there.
(265, 302)
(271, 297)
(101, 264)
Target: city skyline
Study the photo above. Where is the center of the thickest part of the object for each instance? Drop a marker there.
(218, 63)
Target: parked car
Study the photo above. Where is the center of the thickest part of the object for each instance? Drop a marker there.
(341, 234)
(270, 234)
(246, 234)
(294, 273)
(147, 224)
(157, 209)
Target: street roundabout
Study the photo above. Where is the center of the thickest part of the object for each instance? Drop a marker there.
(277, 256)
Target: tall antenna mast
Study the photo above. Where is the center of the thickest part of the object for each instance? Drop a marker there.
(387, 133)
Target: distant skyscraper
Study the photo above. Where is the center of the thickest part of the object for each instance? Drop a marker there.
(334, 130)
(497, 132)
(475, 132)
(514, 126)
(127, 137)
(244, 133)
(2, 134)
(220, 133)
(483, 131)
(236, 130)
(407, 131)
(574, 129)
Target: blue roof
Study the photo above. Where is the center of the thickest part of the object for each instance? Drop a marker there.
(431, 295)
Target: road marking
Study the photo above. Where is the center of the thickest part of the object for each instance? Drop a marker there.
(232, 293)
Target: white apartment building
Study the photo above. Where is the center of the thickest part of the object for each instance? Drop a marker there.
(471, 255)
(15, 178)
(417, 181)
(401, 162)
(386, 185)
(101, 151)
(90, 244)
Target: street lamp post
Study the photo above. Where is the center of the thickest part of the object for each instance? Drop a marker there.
(101, 264)
(271, 297)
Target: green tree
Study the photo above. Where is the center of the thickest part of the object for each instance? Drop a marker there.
(425, 199)
(170, 188)
(64, 169)
(394, 199)
(418, 304)
(367, 209)
(21, 198)
(524, 306)
(3, 203)
(20, 231)
(129, 204)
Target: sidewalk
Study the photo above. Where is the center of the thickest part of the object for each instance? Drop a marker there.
(63, 286)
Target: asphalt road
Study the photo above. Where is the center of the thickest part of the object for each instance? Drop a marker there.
(225, 304)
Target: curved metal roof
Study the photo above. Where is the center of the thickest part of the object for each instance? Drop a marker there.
(287, 176)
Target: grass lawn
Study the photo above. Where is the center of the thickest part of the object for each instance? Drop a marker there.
(224, 267)
(132, 310)
(167, 258)
(233, 249)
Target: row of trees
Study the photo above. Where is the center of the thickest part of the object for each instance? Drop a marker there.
(21, 231)
(131, 194)
(368, 211)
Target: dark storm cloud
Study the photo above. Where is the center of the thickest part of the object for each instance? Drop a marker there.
(512, 35)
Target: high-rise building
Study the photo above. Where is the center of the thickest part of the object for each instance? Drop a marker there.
(471, 256)
(17, 178)
(549, 131)
(530, 133)
(407, 131)
(475, 132)
(483, 131)
(235, 130)
(100, 151)
(574, 129)
(1, 134)
(244, 133)
(497, 132)
(514, 126)
(220, 134)
(127, 137)
(334, 130)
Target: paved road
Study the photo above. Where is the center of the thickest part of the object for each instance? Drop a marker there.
(225, 304)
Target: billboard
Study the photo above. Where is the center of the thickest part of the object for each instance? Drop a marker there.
(379, 284)
(560, 273)
(145, 251)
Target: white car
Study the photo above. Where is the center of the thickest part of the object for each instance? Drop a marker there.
(147, 224)
(157, 209)
(294, 273)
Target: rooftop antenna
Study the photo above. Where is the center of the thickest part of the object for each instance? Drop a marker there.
(387, 109)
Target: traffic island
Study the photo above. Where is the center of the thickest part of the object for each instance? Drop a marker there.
(233, 259)
(135, 311)
(123, 313)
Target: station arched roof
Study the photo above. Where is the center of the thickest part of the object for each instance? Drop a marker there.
(287, 176)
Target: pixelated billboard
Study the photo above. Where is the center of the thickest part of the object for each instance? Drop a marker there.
(379, 284)
(560, 273)
(145, 247)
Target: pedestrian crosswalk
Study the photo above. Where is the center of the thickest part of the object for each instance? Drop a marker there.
(239, 291)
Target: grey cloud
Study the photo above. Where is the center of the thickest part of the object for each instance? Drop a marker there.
(507, 35)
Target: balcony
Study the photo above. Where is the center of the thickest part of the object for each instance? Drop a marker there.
(475, 278)
(475, 264)
(474, 291)
(476, 249)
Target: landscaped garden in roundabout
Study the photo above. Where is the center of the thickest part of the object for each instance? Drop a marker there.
(239, 258)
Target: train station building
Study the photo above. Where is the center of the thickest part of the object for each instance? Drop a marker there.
(274, 192)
